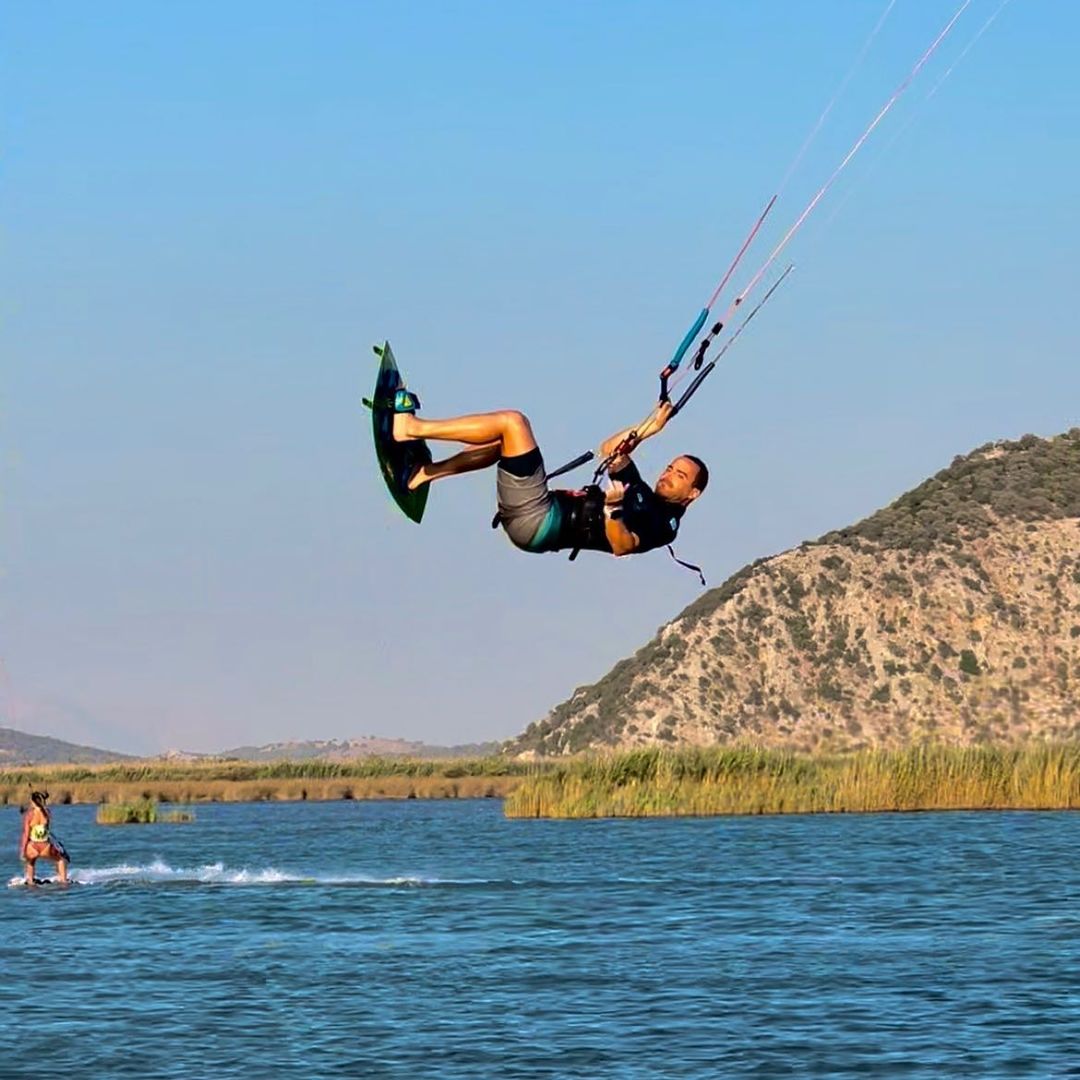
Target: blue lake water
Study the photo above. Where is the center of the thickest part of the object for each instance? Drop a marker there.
(432, 939)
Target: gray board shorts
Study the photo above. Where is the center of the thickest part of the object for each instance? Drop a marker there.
(528, 511)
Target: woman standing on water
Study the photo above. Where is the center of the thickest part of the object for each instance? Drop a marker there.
(37, 839)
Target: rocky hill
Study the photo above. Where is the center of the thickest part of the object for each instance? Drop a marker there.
(19, 748)
(952, 615)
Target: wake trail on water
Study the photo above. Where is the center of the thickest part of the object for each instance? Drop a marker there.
(159, 872)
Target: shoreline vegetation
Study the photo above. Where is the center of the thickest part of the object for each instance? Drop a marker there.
(638, 783)
(143, 812)
(279, 781)
(706, 782)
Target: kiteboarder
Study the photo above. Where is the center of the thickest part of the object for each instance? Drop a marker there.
(37, 840)
(627, 518)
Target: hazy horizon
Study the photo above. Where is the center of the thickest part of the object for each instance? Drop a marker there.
(349, 740)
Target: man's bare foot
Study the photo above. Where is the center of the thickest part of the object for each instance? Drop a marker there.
(403, 423)
(418, 478)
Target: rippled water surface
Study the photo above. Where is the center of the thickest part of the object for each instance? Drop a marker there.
(439, 939)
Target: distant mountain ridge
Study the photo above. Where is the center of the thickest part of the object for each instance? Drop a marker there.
(350, 749)
(19, 748)
(951, 615)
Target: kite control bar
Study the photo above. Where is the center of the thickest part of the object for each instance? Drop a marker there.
(633, 440)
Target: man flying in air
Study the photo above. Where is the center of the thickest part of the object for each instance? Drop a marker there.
(628, 518)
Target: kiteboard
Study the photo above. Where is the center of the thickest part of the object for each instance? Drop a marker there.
(39, 882)
(397, 460)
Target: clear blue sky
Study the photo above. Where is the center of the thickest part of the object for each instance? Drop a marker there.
(211, 211)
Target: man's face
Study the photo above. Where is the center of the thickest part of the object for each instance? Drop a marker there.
(676, 483)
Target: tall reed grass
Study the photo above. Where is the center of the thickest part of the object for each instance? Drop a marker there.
(663, 783)
(639, 783)
(143, 812)
(234, 781)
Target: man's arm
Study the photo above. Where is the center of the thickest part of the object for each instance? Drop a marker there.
(655, 423)
(621, 539)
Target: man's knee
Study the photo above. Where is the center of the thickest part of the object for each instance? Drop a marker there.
(513, 421)
(517, 436)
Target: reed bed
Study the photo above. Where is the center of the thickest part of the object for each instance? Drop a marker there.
(143, 812)
(695, 782)
(373, 778)
(639, 783)
(308, 769)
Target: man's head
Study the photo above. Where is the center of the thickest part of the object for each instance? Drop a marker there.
(683, 480)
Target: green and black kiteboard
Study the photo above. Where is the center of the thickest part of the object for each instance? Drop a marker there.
(397, 460)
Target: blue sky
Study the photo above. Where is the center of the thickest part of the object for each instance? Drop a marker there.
(210, 212)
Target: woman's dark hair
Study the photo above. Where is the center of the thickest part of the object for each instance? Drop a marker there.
(39, 798)
(702, 480)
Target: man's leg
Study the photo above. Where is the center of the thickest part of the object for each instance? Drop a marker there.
(507, 428)
(479, 457)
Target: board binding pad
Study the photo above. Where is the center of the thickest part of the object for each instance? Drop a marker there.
(397, 460)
